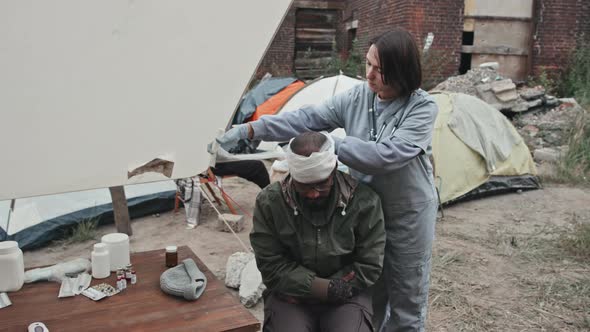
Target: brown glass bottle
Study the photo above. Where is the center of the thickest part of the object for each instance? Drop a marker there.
(171, 256)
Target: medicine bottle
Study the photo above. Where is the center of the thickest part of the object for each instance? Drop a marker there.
(171, 256)
(100, 261)
(12, 267)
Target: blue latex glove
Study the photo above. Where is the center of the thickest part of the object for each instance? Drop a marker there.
(231, 137)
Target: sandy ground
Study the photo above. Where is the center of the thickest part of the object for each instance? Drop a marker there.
(497, 265)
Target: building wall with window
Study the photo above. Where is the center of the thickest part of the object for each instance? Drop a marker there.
(556, 26)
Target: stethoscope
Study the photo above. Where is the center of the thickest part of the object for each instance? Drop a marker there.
(373, 134)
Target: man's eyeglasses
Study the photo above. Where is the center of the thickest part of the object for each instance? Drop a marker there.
(319, 187)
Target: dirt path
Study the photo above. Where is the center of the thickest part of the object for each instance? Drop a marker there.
(497, 265)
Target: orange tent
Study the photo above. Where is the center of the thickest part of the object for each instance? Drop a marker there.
(274, 103)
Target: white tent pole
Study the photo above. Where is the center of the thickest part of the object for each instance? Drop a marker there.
(10, 210)
(336, 83)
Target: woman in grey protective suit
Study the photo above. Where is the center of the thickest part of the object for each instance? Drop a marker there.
(388, 122)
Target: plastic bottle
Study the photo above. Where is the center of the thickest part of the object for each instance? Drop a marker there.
(193, 205)
(100, 261)
(12, 267)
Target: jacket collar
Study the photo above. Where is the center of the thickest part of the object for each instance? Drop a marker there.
(344, 188)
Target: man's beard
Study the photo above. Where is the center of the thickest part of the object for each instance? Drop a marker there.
(317, 204)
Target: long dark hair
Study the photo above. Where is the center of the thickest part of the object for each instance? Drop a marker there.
(399, 60)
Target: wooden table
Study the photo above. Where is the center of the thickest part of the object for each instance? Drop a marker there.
(141, 307)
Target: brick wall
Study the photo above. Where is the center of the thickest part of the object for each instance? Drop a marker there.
(444, 18)
(559, 26)
(278, 59)
(279, 56)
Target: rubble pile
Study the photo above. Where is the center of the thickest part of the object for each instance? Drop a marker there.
(488, 85)
(546, 133)
(542, 120)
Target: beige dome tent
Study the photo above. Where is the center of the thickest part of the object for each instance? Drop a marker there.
(477, 151)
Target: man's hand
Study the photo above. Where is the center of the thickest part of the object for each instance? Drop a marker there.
(339, 291)
(333, 290)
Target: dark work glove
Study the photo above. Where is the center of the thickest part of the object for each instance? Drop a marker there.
(339, 291)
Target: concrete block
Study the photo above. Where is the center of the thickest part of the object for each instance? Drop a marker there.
(532, 93)
(535, 103)
(234, 266)
(507, 96)
(503, 85)
(251, 286)
(235, 221)
(491, 65)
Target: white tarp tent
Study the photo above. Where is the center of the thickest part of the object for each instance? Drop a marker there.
(34, 221)
(89, 90)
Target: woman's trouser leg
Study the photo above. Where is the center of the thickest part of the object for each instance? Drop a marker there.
(406, 266)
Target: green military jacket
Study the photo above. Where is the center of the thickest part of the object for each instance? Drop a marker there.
(293, 244)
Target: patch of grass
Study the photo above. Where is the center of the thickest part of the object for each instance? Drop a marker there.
(446, 260)
(576, 164)
(555, 290)
(83, 231)
(577, 241)
(536, 247)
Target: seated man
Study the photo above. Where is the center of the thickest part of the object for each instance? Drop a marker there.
(318, 238)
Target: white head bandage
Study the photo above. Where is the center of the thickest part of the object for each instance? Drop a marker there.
(315, 168)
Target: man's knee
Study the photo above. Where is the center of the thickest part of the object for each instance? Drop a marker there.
(288, 317)
(354, 316)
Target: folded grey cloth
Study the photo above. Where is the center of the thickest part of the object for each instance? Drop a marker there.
(184, 280)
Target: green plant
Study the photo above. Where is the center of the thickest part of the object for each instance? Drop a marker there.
(433, 67)
(544, 79)
(575, 166)
(335, 64)
(576, 77)
(353, 66)
(83, 231)
(355, 63)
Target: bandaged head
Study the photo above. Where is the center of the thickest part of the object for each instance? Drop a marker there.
(315, 168)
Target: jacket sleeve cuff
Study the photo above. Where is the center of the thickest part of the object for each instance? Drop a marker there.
(259, 129)
(319, 288)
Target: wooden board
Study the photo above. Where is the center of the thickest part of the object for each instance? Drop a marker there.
(315, 34)
(499, 8)
(141, 307)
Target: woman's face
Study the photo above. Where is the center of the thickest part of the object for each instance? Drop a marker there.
(374, 78)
